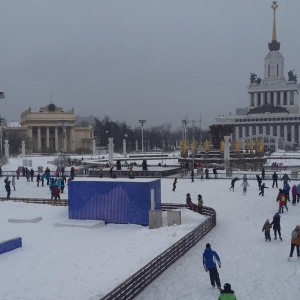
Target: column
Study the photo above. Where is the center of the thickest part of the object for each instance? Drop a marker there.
(243, 132)
(278, 130)
(271, 130)
(275, 98)
(285, 135)
(268, 97)
(65, 137)
(250, 131)
(264, 129)
(111, 150)
(255, 99)
(124, 148)
(29, 132)
(288, 97)
(72, 140)
(298, 135)
(47, 138)
(236, 132)
(281, 98)
(257, 130)
(56, 139)
(293, 133)
(39, 140)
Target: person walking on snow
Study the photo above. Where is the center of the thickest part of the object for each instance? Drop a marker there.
(245, 184)
(262, 189)
(295, 242)
(233, 182)
(210, 258)
(276, 226)
(266, 228)
(227, 293)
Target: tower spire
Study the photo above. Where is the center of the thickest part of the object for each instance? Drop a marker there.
(274, 45)
(274, 6)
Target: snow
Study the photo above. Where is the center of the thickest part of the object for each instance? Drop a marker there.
(86, 263)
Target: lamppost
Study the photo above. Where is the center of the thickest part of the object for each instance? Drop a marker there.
(142, 123)
(1, 97)
(63, 124)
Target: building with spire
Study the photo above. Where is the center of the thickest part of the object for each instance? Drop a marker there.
(273, 111)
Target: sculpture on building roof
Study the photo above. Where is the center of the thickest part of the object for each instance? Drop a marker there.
(292, 76)
(51, 108)
(253, 77)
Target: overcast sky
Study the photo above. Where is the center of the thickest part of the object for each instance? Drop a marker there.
(158, 60)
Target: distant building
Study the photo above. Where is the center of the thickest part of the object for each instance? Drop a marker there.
(53, 130)
(273, 110)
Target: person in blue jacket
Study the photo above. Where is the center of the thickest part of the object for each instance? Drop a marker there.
(210, 258)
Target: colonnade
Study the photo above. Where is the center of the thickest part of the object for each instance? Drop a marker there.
(39, 133)
(291, 132)
(276, 98)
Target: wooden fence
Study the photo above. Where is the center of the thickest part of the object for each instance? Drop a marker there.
(142, 278)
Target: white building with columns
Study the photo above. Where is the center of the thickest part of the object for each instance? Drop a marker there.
(53, 130)
(273, 108)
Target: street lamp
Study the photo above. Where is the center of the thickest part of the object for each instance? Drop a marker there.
(142, 123)
(63, 124)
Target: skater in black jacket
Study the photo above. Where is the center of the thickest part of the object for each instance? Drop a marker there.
(233, 182)
(262, 189)
(276, 225)
(258, 181)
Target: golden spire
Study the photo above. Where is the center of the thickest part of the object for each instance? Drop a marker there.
(274, 7)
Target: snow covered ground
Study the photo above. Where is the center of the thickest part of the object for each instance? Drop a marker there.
(80, 263)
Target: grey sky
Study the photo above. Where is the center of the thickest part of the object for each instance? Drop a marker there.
(159, 60)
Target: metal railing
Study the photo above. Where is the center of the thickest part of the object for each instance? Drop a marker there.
(142, 278)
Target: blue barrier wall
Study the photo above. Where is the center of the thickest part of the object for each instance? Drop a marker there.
(113, 201)
(9, 245)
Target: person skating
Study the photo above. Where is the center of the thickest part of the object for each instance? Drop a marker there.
(174, 184)
(210, 258)
(7, 187)
(13, 182)
(294, 194)
(281, 199)
(262, 189)
(258, 179)
(31, 174)
(263, 173)
(189, 203)
(245, 184)
(200, 203)
(275, 178)
(206, 173)
(276, 226)
(266, 228)
(233, 182)
(227, 293)
(285, 178)
(298, 192)
(286, 190)
(295, 242)
(38, 179)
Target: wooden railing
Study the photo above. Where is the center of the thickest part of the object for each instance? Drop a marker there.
(142, 278)
(63, 202)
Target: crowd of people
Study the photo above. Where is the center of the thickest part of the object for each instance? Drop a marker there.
(211, 259)
(56, 181)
